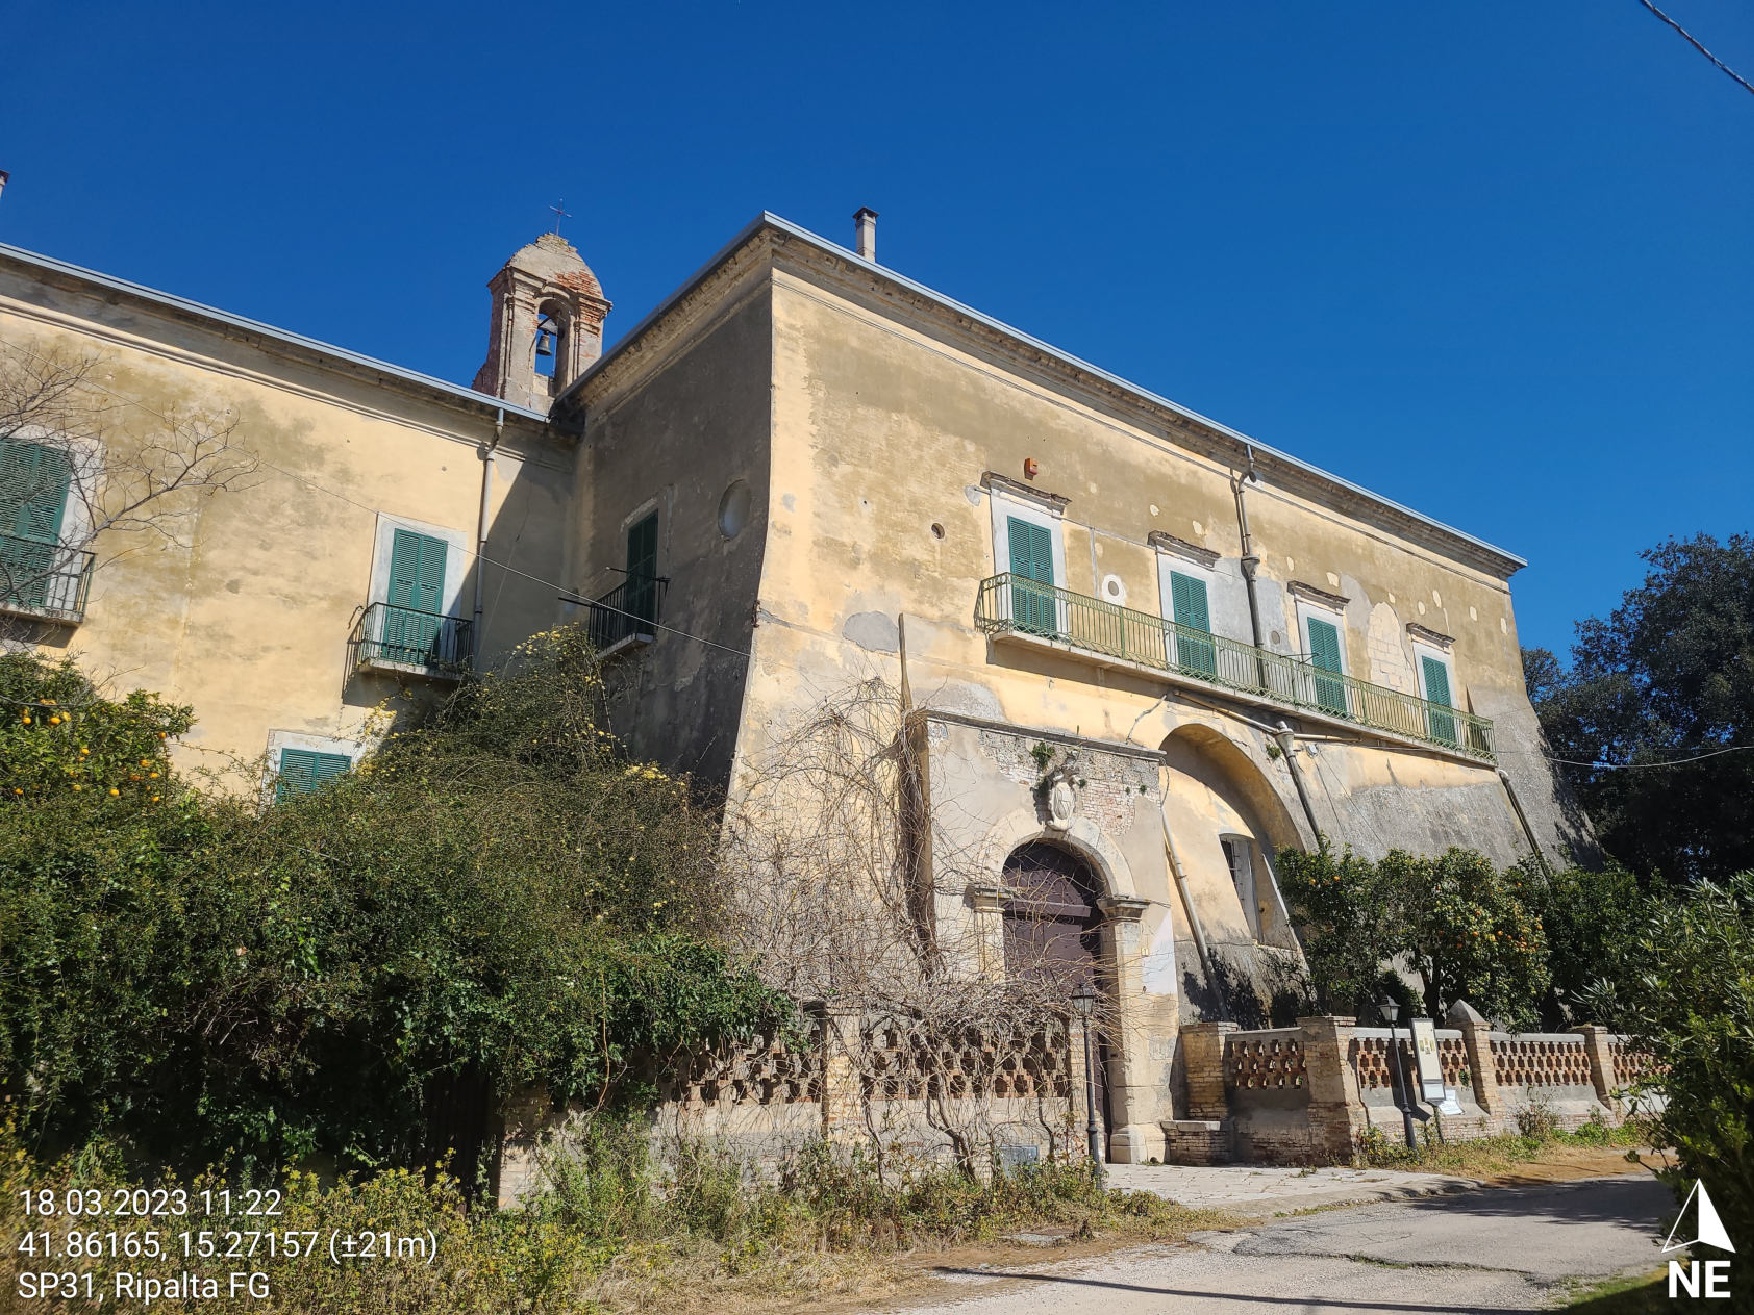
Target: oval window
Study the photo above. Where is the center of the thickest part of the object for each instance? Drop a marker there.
(734, 509)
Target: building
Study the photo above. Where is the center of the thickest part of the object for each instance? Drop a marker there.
(1142, 653)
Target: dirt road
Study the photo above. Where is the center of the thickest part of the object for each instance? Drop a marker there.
(1495, 1249)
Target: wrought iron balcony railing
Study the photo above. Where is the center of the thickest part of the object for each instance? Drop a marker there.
(44, 580)
(407, 639)
(1012, 604)
(627, 611)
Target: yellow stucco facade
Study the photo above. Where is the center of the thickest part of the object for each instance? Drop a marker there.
(242, 602)
(900, 435)
(837, 475)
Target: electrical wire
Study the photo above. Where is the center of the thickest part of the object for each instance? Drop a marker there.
(312, 484)
(1693, 41)
(570, 595)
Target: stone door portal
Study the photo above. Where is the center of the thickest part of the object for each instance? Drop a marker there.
(1053, 934)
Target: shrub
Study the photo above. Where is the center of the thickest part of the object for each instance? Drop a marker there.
(498, 899)
(1691, 1003)
(1455, 920)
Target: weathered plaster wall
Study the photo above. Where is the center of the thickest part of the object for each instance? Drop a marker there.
(245, 609)
(884, 422)
(673, 429)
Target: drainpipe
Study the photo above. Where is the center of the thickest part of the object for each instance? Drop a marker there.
(1288, 749)
(1250, 562)
(1528, 831)
(1194, 925)
(486, 451)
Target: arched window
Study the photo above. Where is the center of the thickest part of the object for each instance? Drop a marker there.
(549, 348)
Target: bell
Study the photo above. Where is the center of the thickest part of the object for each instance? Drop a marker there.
(545, 342)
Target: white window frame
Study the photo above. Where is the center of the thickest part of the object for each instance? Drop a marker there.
(1251, 907)
(456, 559)
(86, 456)
(278, 741)
(1007, 506)
(1335, 616)
(1423, 650)
(1168, 563)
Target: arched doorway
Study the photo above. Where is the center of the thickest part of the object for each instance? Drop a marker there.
(1053, 937)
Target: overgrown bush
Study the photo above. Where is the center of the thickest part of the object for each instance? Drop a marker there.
(1691, 1003)
(498, 898)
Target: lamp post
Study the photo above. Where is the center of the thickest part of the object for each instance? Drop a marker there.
(1390, 1011)
(1084, 1001)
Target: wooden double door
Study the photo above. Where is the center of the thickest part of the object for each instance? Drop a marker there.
(1053, 935)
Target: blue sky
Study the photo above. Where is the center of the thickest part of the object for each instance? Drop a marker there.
(1492, 260)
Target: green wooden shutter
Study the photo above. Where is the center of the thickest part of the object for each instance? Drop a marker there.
(417, 571)
(1324, 656)
(1032, 559)
(303, 770)
(415, 596)
(35, 481)
(1436, 681)
(1441, 724)
(642, 574)
(1187, 596)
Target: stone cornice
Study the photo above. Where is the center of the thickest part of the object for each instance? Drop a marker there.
(712, 296)
(994, 483)
(35, 271)
(1164, 541)
(1309, 593)
(1436, 638)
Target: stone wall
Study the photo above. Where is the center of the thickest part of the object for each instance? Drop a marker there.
(1309, 1094)
(887, 1084)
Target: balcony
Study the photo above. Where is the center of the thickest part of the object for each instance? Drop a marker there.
(627, 614)
(44, 580)
(416, 643)
(1011, 605)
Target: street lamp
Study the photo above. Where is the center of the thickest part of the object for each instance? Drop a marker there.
(1390, 1010)
(1084, 1001)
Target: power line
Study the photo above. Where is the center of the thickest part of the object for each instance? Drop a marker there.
(1694, 42)
(1668, 762)
(570, 596)
(379, 511)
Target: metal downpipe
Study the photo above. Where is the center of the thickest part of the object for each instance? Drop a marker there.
(1288, 750)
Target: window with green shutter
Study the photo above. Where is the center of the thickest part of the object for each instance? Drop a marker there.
(303, 770)
(1033, 605)
(1324, 657)
(1187, 596)
(35, 481)
(642, 571)
(415, 598)
(1439, 721)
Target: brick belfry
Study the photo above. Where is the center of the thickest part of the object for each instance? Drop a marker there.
(548, 312)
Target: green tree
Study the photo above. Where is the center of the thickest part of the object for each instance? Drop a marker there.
(1591, 920)
(1691, 1003)
(1656, 714)
(1455, 920)
(498, 899)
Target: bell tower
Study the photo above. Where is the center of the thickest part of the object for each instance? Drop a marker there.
(547, 328)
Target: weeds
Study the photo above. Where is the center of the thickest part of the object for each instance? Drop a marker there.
(616, 1229)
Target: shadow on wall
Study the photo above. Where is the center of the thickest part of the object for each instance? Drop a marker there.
(413, 638)
(1265, 988)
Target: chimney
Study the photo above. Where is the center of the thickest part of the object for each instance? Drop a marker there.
(865, 220)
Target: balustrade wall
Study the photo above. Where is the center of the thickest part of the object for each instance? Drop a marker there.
(1309, 1094)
